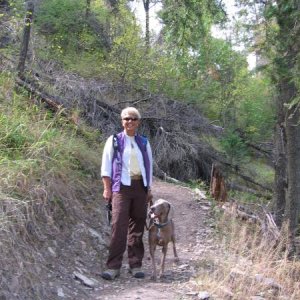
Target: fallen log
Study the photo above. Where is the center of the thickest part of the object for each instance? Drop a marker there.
(237, 187)
(163, 175)
(236, 170)
(54, 103)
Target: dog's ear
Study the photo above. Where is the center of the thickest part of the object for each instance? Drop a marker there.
(171, 211)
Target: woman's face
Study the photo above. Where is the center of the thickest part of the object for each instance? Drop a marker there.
(130, 123)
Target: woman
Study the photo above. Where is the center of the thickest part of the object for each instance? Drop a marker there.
(127, 177)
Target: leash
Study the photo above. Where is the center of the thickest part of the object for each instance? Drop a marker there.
(108, 207)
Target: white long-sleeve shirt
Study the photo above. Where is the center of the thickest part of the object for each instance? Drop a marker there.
(107, 157)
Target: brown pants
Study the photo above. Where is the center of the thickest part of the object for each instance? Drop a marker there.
(129, 212)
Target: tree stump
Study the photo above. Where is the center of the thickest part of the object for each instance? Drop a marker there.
(217, 184)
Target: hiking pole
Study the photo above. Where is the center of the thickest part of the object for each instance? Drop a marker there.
(108, 208)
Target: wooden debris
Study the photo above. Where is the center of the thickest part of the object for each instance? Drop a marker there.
(217, 184)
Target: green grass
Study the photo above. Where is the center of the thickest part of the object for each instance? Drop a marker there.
(34, 141)
(263, 171)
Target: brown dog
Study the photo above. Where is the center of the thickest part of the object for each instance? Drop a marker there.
(161, 232)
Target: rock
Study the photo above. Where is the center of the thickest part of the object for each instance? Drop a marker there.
(85, 280)
(204, 295)
(60, 292)
(184, 266)
(52, 252)
(200, 194)
(205, 207)
(270, 282)
(97, 235)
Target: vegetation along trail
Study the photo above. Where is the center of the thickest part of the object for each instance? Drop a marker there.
(193, 241)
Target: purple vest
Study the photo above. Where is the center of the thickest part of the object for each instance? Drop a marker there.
(118, 155)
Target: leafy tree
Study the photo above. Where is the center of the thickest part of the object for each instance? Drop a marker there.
(234, 146)
(256, 108)
(66, 24)
(188, 22)
(125, 61)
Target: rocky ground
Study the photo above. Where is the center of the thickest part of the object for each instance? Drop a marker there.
(193, 223)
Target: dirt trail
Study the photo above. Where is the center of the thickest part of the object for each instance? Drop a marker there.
(192, 231)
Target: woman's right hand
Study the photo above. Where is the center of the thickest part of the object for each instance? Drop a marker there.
(107, 194)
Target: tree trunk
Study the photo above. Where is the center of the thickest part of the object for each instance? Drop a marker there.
(280, 165)
(147, 30)
(293, 167)
(288, 46)
(88, 8)
(4, 5)
(26, 38)
(114, 5)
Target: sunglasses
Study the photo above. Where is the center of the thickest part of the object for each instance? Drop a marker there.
(130, 119)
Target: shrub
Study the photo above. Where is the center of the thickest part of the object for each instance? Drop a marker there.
(234, 146)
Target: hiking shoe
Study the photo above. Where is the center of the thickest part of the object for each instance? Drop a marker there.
(110, 274)
(137, 273)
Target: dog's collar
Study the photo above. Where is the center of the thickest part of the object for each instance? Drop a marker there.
(161, 225)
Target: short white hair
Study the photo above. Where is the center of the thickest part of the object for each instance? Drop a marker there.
(130, 111)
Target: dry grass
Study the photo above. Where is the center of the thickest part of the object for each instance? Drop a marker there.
(245, 265)
(49, 195)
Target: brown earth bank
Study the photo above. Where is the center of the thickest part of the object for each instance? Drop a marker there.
(193, 235)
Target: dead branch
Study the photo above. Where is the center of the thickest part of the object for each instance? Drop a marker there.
(260, 216)
(137, 101)
(260, 148)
